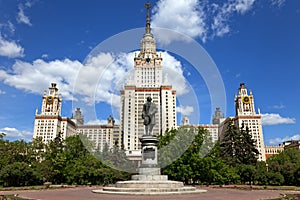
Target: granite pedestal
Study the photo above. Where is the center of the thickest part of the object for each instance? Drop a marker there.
(149, 181)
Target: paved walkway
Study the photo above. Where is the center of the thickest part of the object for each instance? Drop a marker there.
(86, 193)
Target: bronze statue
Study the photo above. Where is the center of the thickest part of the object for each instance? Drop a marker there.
(148, 114)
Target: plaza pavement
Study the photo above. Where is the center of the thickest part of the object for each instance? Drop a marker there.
(80, 193)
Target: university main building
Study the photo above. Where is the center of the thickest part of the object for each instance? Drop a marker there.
(148, 81)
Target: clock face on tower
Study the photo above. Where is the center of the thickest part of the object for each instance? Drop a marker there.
(49, 100)
(246, 100)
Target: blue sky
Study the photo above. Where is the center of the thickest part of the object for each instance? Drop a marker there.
(252, 41)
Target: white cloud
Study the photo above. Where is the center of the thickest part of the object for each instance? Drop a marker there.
(280, 106)
(278, 3)
(7, 28)
(100, 79)
(36, 77)
(15, 134)
(220, 22)
(173, 69)
(2, 92)
(274, 119)
(22, 18)
(185, 110)
(278, 140)
(97, 122)
(184, 16)
(45, 56)
(100, 122)
(197, 19)
(10, 48)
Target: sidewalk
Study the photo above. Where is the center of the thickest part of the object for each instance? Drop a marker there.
(86, 193)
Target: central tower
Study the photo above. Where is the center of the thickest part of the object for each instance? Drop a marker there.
(147, 64)
(147, 82)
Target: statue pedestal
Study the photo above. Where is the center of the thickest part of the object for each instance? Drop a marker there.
(149, 181)
(149, 152)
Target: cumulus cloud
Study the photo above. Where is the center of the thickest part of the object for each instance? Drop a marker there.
(35, 77)
(10, 48)
(14, 134)
(184, 16)
(172, 68)
(279, 140)
(185, 110)
(274, 119)
(197, 19)
(21, 17)
(99, 79)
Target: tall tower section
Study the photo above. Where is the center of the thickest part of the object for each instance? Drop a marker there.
(51, 104)
(147, 82)
(49, 123)
(246, 114)
(147, 64)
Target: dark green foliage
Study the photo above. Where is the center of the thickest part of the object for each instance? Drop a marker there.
(287, 164)
(231, 161)
(199, 164)
(230, 145)
(196, 161)
(248, 153)
(18, 174)
(61, 161)
(238, 147)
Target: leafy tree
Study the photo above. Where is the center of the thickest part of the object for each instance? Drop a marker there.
(18, 174)
(275, 178)
(195, 143)
(246, 173)
(286, 163)
(261, 173)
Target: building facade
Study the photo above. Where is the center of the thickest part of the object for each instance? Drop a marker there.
(246, 115)
(49, 123)
(147, 82)
(273, 150)
(213, 129)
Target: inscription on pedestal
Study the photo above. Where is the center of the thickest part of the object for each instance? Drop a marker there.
(149, 153)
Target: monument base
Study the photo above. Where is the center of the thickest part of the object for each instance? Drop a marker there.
(149, 177)
(149, 181)
(151, 187)
(149, 171)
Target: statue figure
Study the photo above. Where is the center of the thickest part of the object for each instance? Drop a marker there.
(148, 114)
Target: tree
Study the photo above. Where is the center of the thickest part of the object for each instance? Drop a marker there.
(238, 147)
(230, 145)
(246, 173)
(261, 173)
(287, 164)
(248, 153)
(194, 144)
(19, 174)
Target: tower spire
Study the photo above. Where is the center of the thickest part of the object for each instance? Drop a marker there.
(148, 6)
